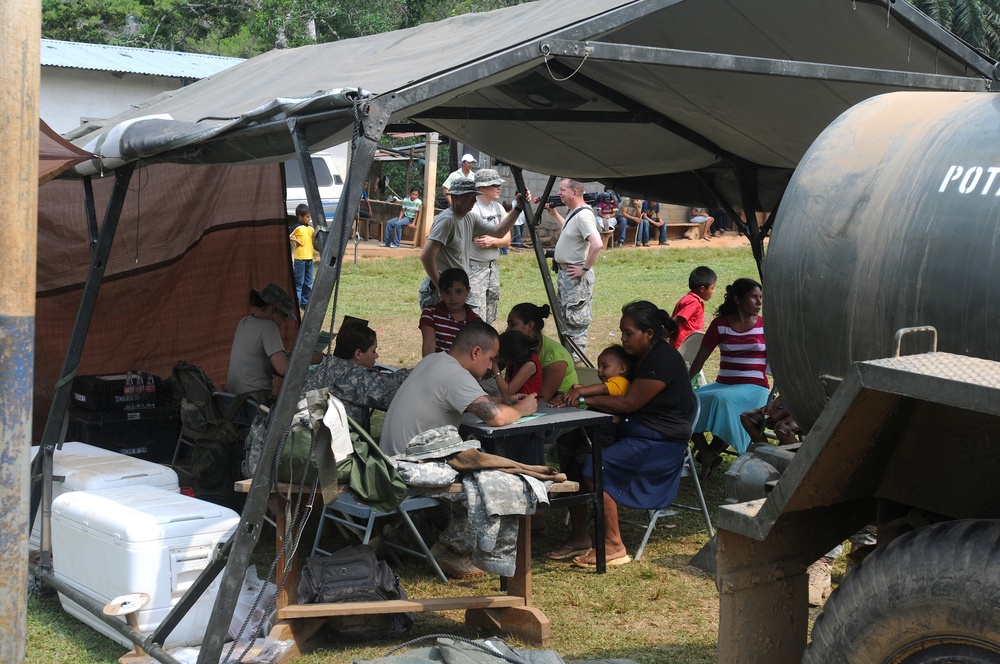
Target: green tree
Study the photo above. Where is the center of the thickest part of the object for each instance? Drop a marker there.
(173, 25)
(241, 28)
(977, 22)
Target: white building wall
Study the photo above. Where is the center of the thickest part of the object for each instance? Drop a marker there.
(69, 95)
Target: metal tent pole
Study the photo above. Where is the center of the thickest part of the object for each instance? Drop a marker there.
(534, 218)
(245, 538)
(41, 469)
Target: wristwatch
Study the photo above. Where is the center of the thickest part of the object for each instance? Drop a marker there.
(585, 268)
(582, 402)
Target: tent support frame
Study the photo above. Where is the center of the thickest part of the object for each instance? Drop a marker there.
(534, 217)
(655, 55)
(365, 143)
(41, 467)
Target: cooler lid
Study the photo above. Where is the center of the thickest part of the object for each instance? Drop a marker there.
(142, 514)
(86, 467)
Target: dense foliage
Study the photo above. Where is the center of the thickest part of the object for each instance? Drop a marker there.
(240, 28)
(977, 22)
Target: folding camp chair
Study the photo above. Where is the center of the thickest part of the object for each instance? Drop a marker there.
(346, 507)
(351, 515)
(691, 472)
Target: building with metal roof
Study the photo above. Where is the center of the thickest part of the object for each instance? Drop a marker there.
(84, 82)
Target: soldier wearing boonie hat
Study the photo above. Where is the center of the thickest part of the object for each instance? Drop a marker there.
(258, 352)
(451, 239)
(484, 272)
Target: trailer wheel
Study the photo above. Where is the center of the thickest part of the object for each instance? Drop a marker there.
(930, 597)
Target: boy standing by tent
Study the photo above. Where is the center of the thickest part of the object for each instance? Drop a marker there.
(302, 254)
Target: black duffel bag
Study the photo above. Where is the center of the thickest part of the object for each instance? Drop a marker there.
(354, 574)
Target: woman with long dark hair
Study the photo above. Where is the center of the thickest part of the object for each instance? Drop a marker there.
(738, 333)
(558, 370)
(642, 468)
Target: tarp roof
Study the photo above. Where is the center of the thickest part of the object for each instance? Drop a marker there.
(56, 154)
(659, 97)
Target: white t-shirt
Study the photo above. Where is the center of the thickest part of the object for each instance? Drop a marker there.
(454, 175)
(492, 213)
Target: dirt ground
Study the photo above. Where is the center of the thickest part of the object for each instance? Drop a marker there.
(372, 249)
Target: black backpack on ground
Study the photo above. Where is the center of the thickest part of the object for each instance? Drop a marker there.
(354, 574)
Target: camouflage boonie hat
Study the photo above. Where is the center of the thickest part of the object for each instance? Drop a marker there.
(437, 443)
(488, 177)
(463, 187)
(276, 295)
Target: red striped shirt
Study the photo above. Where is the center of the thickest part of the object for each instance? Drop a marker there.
(445, 327)
(742, 355)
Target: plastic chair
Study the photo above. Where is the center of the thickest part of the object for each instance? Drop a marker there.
(347, 506)
(691, 472)
(587, 375)
(688, 350)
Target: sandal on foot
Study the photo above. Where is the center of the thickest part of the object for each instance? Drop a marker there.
(623, 559)
(566, 552)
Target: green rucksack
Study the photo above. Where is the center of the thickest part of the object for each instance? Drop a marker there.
(217, 457)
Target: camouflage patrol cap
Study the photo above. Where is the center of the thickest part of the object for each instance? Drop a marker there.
(437, 443)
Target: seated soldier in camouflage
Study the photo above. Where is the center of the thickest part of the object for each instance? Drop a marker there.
(351, 377)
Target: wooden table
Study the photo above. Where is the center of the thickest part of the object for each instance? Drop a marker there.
(511, 613)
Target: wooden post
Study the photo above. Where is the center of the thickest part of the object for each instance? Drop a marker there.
(430, 189)
(20, 26)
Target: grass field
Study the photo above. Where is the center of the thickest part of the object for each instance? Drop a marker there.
(658, 610)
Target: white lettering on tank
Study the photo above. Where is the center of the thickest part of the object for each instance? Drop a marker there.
(971, 179)
(992, 170)
(953, 174)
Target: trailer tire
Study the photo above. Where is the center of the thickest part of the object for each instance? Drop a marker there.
(931, 596)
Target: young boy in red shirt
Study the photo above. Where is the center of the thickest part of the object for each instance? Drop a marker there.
(689, 312)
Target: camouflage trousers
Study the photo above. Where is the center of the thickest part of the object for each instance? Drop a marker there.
(427, 294)
(576, 303)
(484, 289)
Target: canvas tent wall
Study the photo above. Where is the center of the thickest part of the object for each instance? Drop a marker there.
(191, 242)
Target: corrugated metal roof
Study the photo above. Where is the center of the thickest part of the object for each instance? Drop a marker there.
(153, 62)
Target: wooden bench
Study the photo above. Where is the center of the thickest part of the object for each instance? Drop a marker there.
(675, 231)
(512, 613)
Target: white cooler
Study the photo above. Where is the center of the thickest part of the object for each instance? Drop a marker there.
(87, 468)
(146, 539)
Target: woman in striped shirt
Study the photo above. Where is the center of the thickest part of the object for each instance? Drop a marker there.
(738, 332)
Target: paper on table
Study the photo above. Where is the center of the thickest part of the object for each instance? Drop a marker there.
(523, 419)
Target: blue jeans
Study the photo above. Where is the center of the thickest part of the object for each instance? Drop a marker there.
(663, 233)
(515, 235)
(394, 230)
(303, 280)
(641, 233)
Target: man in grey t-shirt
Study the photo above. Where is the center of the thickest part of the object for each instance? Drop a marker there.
(453, 234)
(438, 391)
(577, 249)
(443, 386)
